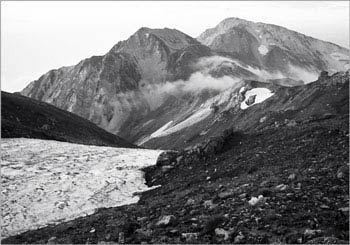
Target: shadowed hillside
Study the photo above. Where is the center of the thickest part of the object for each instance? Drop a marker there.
(29, 118)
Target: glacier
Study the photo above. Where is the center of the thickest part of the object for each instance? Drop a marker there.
(47, 182)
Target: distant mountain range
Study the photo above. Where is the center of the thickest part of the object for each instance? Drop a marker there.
(162, 88)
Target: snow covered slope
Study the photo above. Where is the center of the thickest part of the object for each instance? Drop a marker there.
(45, 182)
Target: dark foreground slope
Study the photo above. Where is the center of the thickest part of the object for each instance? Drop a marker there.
(301, 169)
(29, 118)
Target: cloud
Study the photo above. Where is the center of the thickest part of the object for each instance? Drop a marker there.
(298, 73)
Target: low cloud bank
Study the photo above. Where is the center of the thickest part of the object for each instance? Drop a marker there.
(202, 79)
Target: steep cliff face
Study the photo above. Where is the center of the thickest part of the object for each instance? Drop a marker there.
(159, 78)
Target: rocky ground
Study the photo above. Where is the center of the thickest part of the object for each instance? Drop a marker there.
(282, 184)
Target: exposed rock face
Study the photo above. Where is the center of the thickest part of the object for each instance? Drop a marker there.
(161, 81)
(274, 47)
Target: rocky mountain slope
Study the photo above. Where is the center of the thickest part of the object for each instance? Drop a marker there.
(253, 105)
(284, 180)
(22, 117)
(162, 78)
(275, 48)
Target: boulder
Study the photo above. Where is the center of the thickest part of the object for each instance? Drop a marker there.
(251, 100)
(167, 158)
(213, 146)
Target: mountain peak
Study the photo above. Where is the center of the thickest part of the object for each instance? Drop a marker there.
(145, 37)
(233, 21)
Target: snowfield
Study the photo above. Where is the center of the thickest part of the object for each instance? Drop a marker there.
(47, 182)
(262, 94)
(263, 49)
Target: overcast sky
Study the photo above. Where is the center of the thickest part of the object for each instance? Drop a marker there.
(39, 36)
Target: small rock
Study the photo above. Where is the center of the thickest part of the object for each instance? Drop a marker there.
(144, 234)
(343, 172)
(166, 220)
(190, 202)
(250, 100)
(323, 206)
(141, 219)
(208, 178)
(52, 240)
(209, 204)
(281, 187)
(222, 232)
(263, 119)
(345, 209)
(167, 168)
(45, 127)
(121, 237)
(264, 183)
(239, 239)
(244, 195)
(61, 205)
(213, 223)
(335, 189)
(291, 176)
(298, 187)
(174, 231)
(291, 123)
(190, 236)
(178, 159)
(309, 232)
(225, 194)
(92, 230)
(256, 200)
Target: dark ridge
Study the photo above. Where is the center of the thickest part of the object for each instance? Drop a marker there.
(29, 118)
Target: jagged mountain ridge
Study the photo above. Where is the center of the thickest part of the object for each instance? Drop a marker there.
(157, 76)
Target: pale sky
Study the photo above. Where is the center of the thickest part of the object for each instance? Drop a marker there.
(39, 36)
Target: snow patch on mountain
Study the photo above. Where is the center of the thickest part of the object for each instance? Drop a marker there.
(263, 49)
(261, 94)
(198, 116)
(48, 182)
(160, 131)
